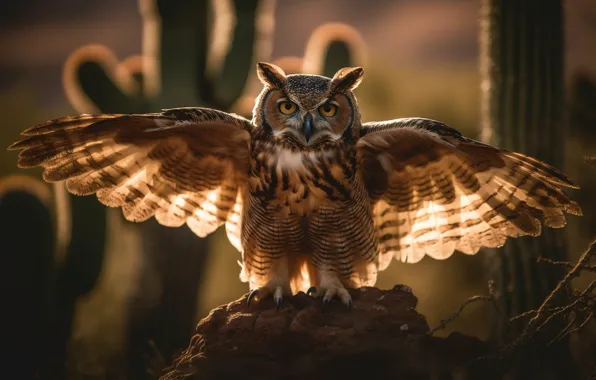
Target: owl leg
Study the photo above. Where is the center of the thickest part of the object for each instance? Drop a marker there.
(330, 286)
(272, 282)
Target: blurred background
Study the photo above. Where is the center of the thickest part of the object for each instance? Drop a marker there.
(115, 300)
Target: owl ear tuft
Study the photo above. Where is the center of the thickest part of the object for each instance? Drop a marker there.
(346, 79)
(271, 75)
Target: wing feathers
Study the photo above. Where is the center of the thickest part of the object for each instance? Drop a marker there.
(184, 165)
(67, 123)
(542, 169)
(435, 191)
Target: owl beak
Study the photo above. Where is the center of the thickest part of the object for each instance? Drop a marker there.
(307, 126)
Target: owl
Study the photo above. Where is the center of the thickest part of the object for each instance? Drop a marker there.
(314, 199)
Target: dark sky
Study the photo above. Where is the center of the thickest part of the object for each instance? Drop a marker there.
(36, 36)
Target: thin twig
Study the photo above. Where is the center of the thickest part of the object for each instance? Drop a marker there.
(581, 296)
(564, 332)
(458, 311)
(560, 311)
(590, 160)
(532, 312)
(584, 259)
(590, 268)
(581, 326)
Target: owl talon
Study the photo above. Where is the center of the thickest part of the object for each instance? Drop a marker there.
(265, 291)
(251, 295)
(278, 296)
(337, 292)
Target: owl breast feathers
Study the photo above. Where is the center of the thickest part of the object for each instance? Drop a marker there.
(314, 199)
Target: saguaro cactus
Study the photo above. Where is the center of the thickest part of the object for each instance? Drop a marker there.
(174, 71)
(48, 268)
(27, 254)
(523, 110)
(52, 256)
(178, 67)
(582, 129)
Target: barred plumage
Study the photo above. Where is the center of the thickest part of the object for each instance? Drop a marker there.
(309, 195)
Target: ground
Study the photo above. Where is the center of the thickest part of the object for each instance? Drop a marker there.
(381, 336)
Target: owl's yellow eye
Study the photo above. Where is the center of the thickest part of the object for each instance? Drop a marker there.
(287, 107)
(328, 110)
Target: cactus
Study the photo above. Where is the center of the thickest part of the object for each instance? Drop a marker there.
(179, 68)
(582, 120)
(173, 72)
(523, 110)
(26, 273)
(175, 66)
(65, 264)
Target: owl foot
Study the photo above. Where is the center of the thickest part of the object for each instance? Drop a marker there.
(331, 292)
(265, 291)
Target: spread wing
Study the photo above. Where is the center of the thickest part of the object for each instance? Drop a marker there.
(434, 191)
(183, 165)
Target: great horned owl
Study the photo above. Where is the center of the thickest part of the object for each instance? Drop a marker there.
(314, 199)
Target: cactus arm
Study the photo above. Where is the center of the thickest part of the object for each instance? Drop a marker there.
(337, 56)
(181, 42)
(333, 46)
(94, 81)
(98, 86)
(239, 63)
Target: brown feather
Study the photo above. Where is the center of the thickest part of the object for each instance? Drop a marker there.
(183, 165)
(434, 191)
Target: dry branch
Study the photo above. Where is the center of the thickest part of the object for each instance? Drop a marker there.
(542, 315)
(566, 264)
(577, 313)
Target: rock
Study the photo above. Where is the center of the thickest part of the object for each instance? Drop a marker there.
(381, 334)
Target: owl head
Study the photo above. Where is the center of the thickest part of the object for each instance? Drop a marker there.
(308, 111)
